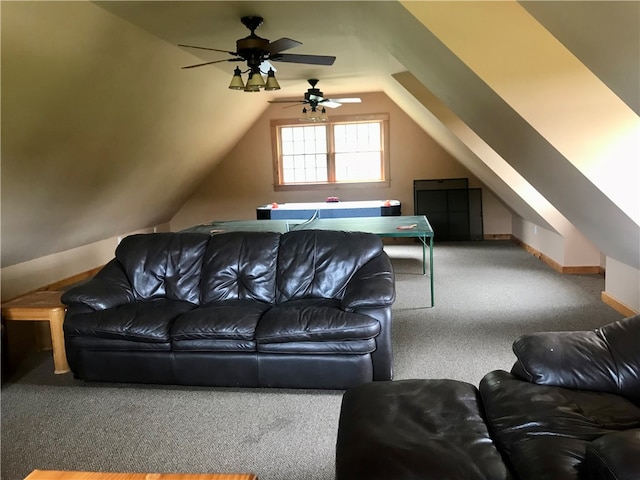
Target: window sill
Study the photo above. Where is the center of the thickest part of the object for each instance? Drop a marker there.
(330, 186)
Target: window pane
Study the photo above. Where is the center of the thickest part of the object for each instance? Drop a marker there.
(358, 167)
(304, 154)
(286, 134)
(360, 137)
(304, 168)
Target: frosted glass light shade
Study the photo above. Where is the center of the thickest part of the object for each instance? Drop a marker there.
(272, 83)
(255, 80)
(236, 80)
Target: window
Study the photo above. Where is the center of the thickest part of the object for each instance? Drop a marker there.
(343, 151)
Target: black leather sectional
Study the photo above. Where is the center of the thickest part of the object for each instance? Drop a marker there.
(304, 309)
(568, 410)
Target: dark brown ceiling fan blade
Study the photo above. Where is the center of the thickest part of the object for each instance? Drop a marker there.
(282, 44)
(309, 59)
(256, 50)
(215, 61)
(207, 48)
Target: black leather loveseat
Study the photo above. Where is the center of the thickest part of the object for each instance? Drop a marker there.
(304, 309)
(568, 410)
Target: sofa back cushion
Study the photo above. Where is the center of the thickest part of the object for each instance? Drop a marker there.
(320, 263)
(240, 266)
(164, 265)
(606, 359)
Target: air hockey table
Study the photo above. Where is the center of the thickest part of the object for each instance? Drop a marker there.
(306, 211)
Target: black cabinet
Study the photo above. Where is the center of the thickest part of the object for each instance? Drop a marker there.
(453, 209)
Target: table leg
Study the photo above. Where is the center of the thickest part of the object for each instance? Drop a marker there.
(56, 319)
(424, 257)
(431, 269)
(423, 240)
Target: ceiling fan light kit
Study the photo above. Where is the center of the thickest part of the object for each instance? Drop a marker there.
(255, 81)
(314, 115)
(255, 50)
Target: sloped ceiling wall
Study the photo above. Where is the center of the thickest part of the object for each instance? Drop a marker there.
(605, 36)
(101, 133)
(482, 34)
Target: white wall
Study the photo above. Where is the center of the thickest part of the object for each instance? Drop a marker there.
(38, 273)
(622, 282)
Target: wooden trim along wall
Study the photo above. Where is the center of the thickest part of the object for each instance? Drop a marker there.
(498, 236)
(555, 265)
(69, 281)
(65, 282)
(614, 303)
(617, 305)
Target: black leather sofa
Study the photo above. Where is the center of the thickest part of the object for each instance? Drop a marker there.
(568, 410)
(303, 309)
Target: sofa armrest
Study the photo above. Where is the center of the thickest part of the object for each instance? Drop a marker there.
(615, 456)
(372, 286)
(109, 288)
(604, 359)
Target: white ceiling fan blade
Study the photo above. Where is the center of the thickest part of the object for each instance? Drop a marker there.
(330, 104)
(346, 100)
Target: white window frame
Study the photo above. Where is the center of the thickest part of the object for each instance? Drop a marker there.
(278, 181)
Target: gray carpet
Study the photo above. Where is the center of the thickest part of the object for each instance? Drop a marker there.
(487, 294)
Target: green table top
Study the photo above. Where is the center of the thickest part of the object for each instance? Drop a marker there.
(388, 226)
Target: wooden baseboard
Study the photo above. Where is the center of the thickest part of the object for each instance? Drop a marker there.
(617, 305)
(570, 270)
(497, 236)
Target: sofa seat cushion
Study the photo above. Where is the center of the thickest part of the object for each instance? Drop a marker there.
(219, 326)
(314, 320)
(415, 430)
(149, 321)
(213, 345)
(347, 347)
(615, 456)
(112, 345)
(530, 421)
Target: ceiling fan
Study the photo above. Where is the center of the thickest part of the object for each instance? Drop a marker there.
(255, 50)
(315, 98)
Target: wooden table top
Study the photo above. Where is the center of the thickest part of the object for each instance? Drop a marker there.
(60, 475)
(39, 299)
